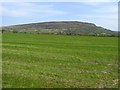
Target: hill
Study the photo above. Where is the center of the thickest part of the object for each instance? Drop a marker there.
(63, 27)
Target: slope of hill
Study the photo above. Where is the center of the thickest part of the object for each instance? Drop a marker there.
(63, 27)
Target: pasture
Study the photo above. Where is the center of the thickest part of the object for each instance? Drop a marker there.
(59, 61)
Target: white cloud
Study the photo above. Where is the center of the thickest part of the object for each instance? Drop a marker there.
(87, 1)
(28, 9)
(110, 9)
(13, 13)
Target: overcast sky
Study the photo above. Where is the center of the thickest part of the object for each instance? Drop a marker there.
(103, 13)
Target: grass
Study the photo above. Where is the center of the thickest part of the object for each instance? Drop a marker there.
(59, 61)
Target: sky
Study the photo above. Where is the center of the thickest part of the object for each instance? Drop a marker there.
(100, 12)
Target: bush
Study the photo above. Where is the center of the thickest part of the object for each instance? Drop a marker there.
(14, 31)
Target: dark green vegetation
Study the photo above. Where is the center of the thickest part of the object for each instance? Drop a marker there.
(44, 61)
(66, 27)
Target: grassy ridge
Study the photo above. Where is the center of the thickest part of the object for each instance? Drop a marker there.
(31, 60)
(61, 27)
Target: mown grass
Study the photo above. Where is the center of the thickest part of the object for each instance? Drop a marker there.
(59, 61)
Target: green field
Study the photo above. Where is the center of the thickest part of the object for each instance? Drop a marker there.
(59, 61)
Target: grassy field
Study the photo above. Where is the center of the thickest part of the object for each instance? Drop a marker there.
(59, 61)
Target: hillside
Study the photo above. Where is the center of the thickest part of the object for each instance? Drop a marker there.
(63, 27)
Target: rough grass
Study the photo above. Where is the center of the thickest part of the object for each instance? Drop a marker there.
(59, 61)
